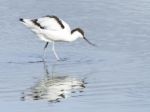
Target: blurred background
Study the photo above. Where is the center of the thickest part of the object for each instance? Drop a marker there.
(111, 77)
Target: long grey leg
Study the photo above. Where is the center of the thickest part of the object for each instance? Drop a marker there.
(45, 49)
(53, 49)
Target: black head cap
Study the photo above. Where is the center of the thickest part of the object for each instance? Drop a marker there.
(79, 30)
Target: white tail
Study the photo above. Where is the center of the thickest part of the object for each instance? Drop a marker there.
(28, 23)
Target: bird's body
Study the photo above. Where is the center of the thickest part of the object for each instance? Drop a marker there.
(53, 29)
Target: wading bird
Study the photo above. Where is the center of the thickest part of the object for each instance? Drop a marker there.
(52, 29)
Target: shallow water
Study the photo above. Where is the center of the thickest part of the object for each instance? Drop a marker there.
(111, 77)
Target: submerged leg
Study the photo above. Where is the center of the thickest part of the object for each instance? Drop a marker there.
(53, 49)
(45, 50)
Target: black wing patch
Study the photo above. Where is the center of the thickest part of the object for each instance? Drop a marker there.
(58, 20)
(35, 21)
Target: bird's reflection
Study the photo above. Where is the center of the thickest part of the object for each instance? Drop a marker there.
(54, 87)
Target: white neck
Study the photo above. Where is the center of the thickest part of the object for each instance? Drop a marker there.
(73, 37)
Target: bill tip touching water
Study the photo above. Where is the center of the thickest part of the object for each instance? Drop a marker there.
(51, 29)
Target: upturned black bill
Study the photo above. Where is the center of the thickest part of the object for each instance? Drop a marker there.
(88, 41)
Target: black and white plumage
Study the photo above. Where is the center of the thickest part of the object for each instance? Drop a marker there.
(52, 29)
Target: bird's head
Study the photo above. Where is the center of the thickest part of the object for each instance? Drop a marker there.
(80, 33)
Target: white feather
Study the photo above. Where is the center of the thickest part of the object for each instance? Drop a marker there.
(49, 29)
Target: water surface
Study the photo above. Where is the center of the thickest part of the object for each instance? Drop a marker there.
(112, 77)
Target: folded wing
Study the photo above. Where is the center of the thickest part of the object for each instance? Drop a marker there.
(52, 23)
